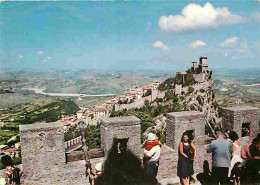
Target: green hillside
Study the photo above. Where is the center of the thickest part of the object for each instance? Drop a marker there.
(45, 110)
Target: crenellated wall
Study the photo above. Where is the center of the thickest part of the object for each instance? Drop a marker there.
(235, 117)
(179, 122)
(43, 156)
(128, 126)
(43, 147)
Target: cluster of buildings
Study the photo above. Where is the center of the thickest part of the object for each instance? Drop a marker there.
(103, 110)
(5, 87)
(11, 151)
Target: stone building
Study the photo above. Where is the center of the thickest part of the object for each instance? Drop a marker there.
(244, 120)
(203, 65)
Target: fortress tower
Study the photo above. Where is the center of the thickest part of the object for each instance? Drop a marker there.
(203, 65)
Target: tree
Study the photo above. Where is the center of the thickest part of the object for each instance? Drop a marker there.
(189, 79)
(146, 103)
(167, 84)
(131, 101)
(169, 95)
(190, 90)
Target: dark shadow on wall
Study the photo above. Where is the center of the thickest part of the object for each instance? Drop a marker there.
(122, 167)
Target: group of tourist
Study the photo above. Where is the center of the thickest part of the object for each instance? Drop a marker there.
(229, 162)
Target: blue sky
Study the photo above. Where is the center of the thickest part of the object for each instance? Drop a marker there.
(134, 35)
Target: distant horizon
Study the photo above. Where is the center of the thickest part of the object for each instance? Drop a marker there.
(131, 35)
(120, 70)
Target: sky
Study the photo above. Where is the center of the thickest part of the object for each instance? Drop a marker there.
(129, 35)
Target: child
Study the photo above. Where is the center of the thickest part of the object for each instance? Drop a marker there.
(150, 143)
(236, 173)
(97, 174)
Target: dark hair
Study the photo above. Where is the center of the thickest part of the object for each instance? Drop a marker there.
(233, 136)
(185, 134)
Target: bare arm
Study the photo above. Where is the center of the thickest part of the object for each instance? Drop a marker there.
(195, 150)
(233, 150)
(181, 150)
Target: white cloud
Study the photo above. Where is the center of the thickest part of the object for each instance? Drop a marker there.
(257, 16)
(20, 57)
(230, 42)
(49, 58)
(197, 43)
(195, 16)
(40, 52)
(160, 45)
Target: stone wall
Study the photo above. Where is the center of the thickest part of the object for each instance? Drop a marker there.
(140, 102)
(179, 122)
(43, 156)
(128, 126)
(234, 117)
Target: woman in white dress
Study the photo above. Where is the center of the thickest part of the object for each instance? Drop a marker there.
(236, 154)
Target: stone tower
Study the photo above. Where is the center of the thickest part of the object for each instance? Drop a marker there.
(244, 120)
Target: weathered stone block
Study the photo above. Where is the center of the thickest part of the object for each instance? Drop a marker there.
(128, 126)
(43, 156)
(235, 117)
(179, 122)
(42, 148)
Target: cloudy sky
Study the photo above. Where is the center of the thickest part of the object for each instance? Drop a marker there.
(141, 35)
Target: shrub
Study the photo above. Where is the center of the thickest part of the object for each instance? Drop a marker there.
(2, 166)
(163, 139)
(178, 79)
(169, 95)
(146, 103)
(16, 161)
(131, 101)
(167, 84)
(189, 79)
(93, 137)
(199, 100)
(190, 90)
(192, 107)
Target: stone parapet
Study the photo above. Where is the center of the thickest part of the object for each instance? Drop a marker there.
(43, 156)
(179, 122)
(235, 117)
(127, 126)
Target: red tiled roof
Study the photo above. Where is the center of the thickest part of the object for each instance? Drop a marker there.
(66, 123)
(10, 150)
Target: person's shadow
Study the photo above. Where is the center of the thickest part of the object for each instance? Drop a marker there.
(205, 176)
(122, 167)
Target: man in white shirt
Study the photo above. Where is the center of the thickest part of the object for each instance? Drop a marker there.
(151, 166)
